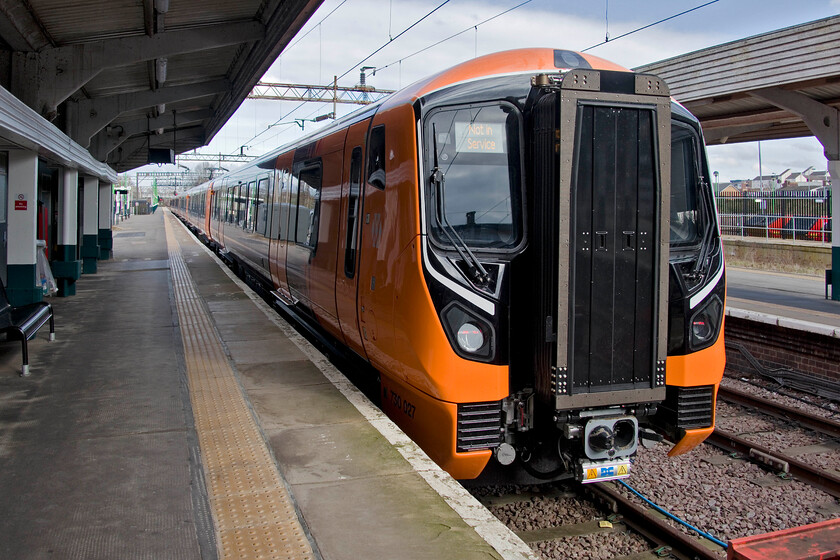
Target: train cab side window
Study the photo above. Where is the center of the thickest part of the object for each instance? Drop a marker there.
(685, 187)
(308, 206)
(353, 212)
(376, 157)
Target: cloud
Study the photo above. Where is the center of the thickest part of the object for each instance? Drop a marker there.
(360, 27)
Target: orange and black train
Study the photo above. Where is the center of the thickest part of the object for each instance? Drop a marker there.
(524, 246)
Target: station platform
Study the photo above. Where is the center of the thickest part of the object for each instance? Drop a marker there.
(178, 416)
(793, 300)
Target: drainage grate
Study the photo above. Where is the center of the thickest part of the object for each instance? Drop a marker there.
(479, 426)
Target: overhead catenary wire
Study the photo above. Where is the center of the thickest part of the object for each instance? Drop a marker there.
(390, 40)
(313, 27)
(608, 40)
(475, 26)
(400, 34)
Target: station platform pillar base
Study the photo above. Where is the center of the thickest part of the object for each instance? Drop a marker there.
(66, 270)
(22, 288)
(89, 253)
(106, 244)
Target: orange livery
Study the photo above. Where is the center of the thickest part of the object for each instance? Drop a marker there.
(525, 248)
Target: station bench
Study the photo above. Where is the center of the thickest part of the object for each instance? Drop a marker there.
(23, 323)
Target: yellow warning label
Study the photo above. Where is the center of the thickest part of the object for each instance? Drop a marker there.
(591, 473)
(605, 524)
(622, 470)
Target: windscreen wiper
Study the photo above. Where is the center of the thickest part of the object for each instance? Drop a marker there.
(477, 272)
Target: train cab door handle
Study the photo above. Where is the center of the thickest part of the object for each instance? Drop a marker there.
(601, 240)
(629, 240)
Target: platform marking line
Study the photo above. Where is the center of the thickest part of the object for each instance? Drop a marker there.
(252, 512)
(490, 528)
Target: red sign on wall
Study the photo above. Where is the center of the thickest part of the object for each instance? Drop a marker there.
(20, 205)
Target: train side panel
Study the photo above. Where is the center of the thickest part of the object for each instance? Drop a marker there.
(322, 262)
(350, 220)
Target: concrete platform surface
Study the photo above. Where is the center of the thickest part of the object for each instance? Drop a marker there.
(104, 449)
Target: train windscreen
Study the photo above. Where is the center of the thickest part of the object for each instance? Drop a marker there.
(685, 185)
(478, 154)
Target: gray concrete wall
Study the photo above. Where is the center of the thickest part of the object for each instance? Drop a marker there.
(804, 257)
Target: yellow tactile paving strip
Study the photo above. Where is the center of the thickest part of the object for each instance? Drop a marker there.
(252, 512)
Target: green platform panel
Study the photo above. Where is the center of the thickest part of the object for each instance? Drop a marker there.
(89, 253)
(66, 270)
(106, 244)
(23, 284)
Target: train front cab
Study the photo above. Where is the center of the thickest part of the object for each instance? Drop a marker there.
(507, 378)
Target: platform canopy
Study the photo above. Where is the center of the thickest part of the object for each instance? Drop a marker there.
(782, 84)
(130, 80)
(763, 87)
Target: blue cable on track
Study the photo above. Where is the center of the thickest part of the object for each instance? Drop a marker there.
(674, 517)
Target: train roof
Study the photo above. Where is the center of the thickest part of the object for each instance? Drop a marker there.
(517, 61)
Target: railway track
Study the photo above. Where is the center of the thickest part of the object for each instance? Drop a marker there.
(825, 480)
(604, 518)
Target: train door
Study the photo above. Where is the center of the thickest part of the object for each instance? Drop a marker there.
(208, 212)
(375, 299)
(303, 225)
(222, 198)
(614, 249)
(280, 227)
(346, 282)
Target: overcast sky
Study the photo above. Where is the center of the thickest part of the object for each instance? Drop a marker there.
(359, 27)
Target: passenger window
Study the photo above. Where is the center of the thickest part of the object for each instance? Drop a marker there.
(250, 207)
(308, 207)
(376, 157)
(283, 204)
(260, 197)
(293, 201)
(230, 210)
(353, 212)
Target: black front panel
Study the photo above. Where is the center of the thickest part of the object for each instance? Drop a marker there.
(612, 335)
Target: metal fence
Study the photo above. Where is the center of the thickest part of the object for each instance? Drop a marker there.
(804, 215)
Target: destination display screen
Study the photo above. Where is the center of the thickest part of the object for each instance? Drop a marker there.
(480, 137)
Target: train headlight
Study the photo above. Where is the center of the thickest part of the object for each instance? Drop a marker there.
(470, 337)
(705, 324)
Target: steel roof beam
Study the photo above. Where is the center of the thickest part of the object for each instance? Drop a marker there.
(19, 28)
(106, 140)
(89, 116)
(46, 78)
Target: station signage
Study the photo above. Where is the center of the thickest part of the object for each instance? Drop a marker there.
(20, 203)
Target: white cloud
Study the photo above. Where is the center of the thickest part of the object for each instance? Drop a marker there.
(361, 26)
